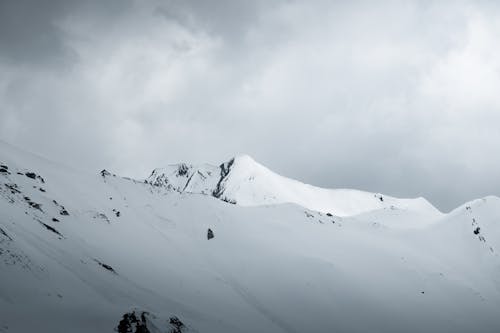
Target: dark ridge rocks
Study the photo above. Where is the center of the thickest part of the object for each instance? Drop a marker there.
(2, 232)
(477, 232)
(105, 266)
(182, 170)
(117, 212)
(4, 169)
(48, 227)
(329, 214)
(33, 175)
(210, 234)
(41, 189)
(177, 325)
(13, 188)
(55, 220)
(105, 173)
(132, 322)
(231, 201)
(62, 210)
(33, 204)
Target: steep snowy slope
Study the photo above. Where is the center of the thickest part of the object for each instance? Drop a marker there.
(94, 253)
(248, 183)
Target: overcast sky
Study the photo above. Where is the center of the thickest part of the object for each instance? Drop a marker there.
(398, 97)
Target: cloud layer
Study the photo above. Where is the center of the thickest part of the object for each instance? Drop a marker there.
(397, 97)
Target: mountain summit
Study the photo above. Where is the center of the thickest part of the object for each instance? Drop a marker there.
(245, 182)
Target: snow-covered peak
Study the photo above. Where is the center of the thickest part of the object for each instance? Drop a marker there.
(243, 181)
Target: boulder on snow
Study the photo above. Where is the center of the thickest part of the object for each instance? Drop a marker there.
(210, 234)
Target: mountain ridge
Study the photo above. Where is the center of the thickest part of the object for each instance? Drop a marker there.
(101, 253)
(244, 181)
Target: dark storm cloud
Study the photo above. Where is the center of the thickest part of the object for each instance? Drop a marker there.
(396, 97)
(28, 34)
(29, 31)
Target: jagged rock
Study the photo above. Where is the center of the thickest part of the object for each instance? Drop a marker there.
(4, 169)
(31, 175)
(62, 210)
(183, 170)
(210, 234)
(105, 173)
(177, 325)
(133, 323)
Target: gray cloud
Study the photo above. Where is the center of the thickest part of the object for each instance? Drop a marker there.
(396, 97)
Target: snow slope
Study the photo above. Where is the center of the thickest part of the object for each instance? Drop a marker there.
(248, 183)
(89, 253)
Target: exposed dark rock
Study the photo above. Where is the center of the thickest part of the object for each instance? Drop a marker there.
(41, 189)
(177, 325)
(329, 214)
(35, 205)
(13, 188)
(62, 210)
(48, 227)
(106, 266)
(4, 169)
(31, 175)
(476, 231)
(183, 170)
(225, 168)
(210, 234)
(2, 232)
(55, 220)
(105, 173)
(231, 201)
(133, 323)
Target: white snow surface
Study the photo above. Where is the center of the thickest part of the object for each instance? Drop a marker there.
(278, 261)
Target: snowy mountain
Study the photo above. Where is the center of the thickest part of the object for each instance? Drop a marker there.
(100, 253)
(245, 182)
